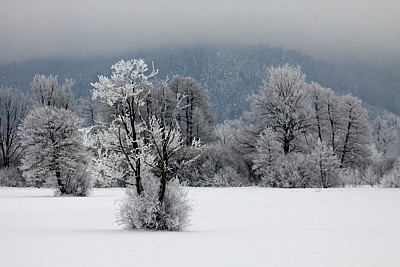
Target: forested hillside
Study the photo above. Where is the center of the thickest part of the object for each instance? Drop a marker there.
(229, 74)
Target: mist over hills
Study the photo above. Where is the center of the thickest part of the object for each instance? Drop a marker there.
(229, 74)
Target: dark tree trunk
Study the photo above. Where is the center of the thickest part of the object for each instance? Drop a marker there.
(286, 143)
(163, 170)
(346, 143)
(332, 124)
(163, 186)
(139, 186)
(319, 127)
(187, 122)
(61, 186)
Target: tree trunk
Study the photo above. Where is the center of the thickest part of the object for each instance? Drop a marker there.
(346, 141)
(323, 180)
(60, 184)
(286, 144)
(332, 124)
(163, 186)
(138, 178)
(163, 174)
(187, 122)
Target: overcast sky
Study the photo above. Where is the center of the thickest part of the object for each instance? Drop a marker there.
(363, 29)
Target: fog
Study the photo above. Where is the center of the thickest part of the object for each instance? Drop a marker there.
(368, 30)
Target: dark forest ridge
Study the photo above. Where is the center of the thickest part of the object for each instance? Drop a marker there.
(229, 74)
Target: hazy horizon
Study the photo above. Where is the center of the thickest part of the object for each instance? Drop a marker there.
(364, 30)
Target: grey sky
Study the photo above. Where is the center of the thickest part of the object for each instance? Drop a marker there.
(364, 29)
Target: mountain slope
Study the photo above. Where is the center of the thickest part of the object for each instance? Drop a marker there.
(229, 74)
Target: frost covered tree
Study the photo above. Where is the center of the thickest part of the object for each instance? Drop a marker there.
(13, 108)
(139, 145)
(319, 168)
(341, 123)
(49, 92)
(167, 141)
(122, 145)
(269, 150)
(195, 118)
(326, 166)
(281, 104)
(355, 134)
(308, 121)
(54, 152)
(386, 132)
(325, 114)
(219, 163)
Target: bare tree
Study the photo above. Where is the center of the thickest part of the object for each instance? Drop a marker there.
(196, 118)
(167, 140)
(13, 108)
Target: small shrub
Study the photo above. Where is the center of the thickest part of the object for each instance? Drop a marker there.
(351, 177)
(81, 184)
(146, 212)
(390, 180)
(370, 177)
(226, 176)
(217, 166)
(11, 177)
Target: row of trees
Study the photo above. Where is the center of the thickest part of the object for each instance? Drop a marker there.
(299, 134)
(292, 122)
(288, 118)
(145, 134)
(40, 135)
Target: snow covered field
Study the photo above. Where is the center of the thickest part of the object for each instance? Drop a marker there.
(230, 227)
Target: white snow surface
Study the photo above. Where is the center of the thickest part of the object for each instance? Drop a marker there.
(230, 227)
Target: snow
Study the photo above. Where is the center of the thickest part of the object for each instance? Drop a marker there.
(230, 227)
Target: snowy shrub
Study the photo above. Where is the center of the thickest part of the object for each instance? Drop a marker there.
(392, 179)
(80, 183)
(218, 165)
(11, 177)
(289, 171)
(350, 177)
(267, 157)
(382, 167)
(146, 212)
(226, 176)
(292, 172)
(298, 170)
(370, 177)
(325, 166)
(293, 169)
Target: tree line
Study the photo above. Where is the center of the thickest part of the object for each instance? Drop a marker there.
(153, 136)
(296, 134)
